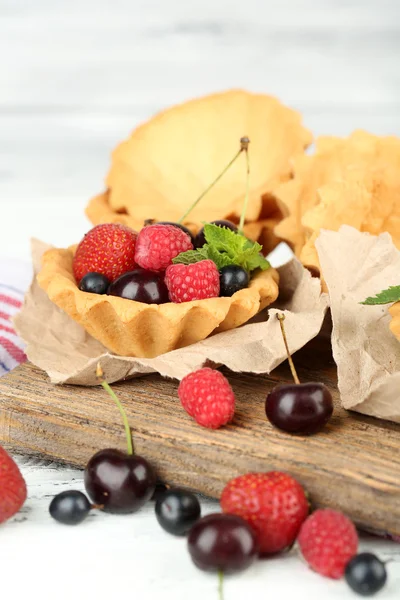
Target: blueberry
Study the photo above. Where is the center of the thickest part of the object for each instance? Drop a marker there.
(232, 279)
(94, 283)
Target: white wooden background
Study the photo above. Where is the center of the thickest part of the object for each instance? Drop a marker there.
(75, 77)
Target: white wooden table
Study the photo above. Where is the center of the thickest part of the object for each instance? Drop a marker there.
(76, 76)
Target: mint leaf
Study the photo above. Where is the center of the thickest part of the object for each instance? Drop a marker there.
(392, 294)
(225, 247)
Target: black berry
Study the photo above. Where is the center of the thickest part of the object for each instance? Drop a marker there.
(299, 408)
(222, 542)
(177, 511)
(142, 286)
(121, 483)
(70, 507)
(366, 574)
(159, 491)
(200, 238)
(94, 283)
(232, 279)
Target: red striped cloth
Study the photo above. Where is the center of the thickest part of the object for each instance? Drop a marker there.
(11, 347)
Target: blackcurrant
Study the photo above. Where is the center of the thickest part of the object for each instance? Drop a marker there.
(200, 238)
(142, 286)
(120, 482)
(94, 283)
(70, 507)
(302, 408)
(366, 574)
(232, 279)
(222, 542)
(177, 510)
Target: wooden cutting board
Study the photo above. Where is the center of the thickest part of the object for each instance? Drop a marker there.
(353, 465)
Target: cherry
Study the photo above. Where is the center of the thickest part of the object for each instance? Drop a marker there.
(232, 279)
(366, 574)
(299, 408)
(177, 510)
(302, 408)
(222, 542)
(70, 507)
(142, 286)
(200, 238)
(94, 283)
(121, 483)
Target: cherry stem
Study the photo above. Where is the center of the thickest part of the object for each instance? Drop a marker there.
(281, 318)
(110, 392)
(245, 147)
(244, 142)
(220, 585)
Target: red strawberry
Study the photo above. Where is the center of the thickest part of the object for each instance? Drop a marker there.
(108, 249)
(207, 397)
(273, 503)
(12, 487)
(328, 540)
(192, 282)
(157, 245)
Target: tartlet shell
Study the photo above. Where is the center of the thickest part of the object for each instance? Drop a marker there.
(129, 328)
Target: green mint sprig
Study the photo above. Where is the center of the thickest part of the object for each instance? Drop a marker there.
(392, 294)
(225, 247)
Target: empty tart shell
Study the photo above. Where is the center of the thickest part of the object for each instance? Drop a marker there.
(129, 328)
(171, 159)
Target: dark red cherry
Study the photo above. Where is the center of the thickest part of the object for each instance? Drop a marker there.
(299, 408)
(185, 229)
(222, 542)
(120, 482)
(200, 239)
(142, 286)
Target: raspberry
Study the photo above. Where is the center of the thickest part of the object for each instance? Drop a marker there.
(207, 397)
(108, 249)
(157, 245)
(192, 282)
(328, 540)
(273, 503)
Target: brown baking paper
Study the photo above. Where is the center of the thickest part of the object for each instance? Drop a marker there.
(357, 265)
(68, 354)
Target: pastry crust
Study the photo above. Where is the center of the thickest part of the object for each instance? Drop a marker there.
(129, 328)
(395, 323)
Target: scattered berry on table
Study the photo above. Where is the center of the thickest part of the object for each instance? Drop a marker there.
(177, 510)
(302, 408)
(224, 543)
(192, 282)
(233, 279)
(273, 503)
(200, 238)
(12, 487)
(207, 396)
(159, 490)
(328, 540)
(142, 286)
(157, 245)
(108, 249)
(121, 483)
(70, 507)
(94, 283)
(366, 574)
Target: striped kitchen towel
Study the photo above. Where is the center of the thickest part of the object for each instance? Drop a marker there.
(14, 280)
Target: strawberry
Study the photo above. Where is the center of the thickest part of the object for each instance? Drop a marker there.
(193, 282)
(108, 249)
(273, 503)
(158, 244)
(12, 487)
(207, 397)
(328, 540)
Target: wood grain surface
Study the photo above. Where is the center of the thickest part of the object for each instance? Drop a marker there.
(353, 465)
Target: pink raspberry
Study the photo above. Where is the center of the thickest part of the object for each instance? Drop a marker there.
(328, 540)
(157, 245)
(207, 397)
(192, 282)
